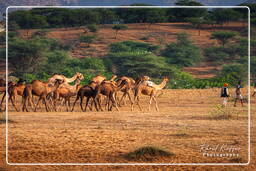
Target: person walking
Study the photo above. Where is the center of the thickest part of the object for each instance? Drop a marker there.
(224, 94)
(238, 93)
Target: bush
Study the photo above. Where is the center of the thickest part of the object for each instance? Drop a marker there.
(223, 36)
(128, 46)
(87, 39)
(92, 28)
(147, 153)
(233, 72)
(183, 52)
(139, 63)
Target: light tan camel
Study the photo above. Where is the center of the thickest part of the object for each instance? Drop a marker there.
(66, 94)
(98, 79)
(65, 79)
(40, 89)
(149, 91)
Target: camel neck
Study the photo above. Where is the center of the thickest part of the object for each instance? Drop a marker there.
(161, 85)
(72, 79)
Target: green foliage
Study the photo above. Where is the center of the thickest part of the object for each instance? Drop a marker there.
(223, 36)
(118, 27)
(145, 153)
(183, 52)
(26, 20)
(234, 72)
(129, 46)
(87, 39)
(139, 62)
(2, 38)
(29, 53)
(196, 22)
(222, 16)
(92, 28)
(13, 26)
(180, 14)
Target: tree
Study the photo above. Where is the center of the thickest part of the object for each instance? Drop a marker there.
(87, 39)
(154, 15)
(223, 36)
(118, 27)
(196, 22)
(180, 14)
(28, 53)
(182, 52)
(222, 16)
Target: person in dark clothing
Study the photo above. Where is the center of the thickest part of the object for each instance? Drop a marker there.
(224, 94)
(238, 93)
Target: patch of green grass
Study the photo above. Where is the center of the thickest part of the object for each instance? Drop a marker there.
(148, 153)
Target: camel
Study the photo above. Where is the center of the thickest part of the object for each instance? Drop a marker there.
(149, 91)
(109, 89)
(131, 84)
(89, 91)
(66, 94)
(40, 89)
(15, 90)
(3, 90)
(98, 79)
(65, 79)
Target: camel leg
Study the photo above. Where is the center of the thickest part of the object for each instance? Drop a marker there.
(67, 104)
(77, 97)
(81, 103)
(154, 98)
(123, 96)
(95, 104)
(37, 104)
(2, 100)
(87, 102)
(45, 103)
(24, 107)
(139, 103)
(113, 100)
(130, 98)
(98, 101)
(150, 102)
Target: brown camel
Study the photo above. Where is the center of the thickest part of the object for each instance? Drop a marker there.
(16, 90)
(149, 91)
(3, 90)
(66, 94)
(89, 91)
(109, 89)
(40, 89)
(130, 86)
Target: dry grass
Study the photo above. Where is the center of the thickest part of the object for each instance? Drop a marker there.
(180, 127)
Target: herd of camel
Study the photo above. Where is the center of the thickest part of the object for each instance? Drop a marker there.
(57, 92)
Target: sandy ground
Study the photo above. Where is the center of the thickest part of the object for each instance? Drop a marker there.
(184, 123)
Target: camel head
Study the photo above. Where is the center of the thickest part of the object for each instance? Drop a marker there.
(145, 78)
(58, 81)
(166, 79)
(79, 76)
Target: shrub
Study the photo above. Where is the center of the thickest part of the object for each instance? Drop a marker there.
(118, 27)
(223, 36)
(87, 39)
(147, 153)
(92, 28)
(139, 63)
(183, 52)
(128, 46)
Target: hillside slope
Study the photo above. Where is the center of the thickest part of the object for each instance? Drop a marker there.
(158, 34)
